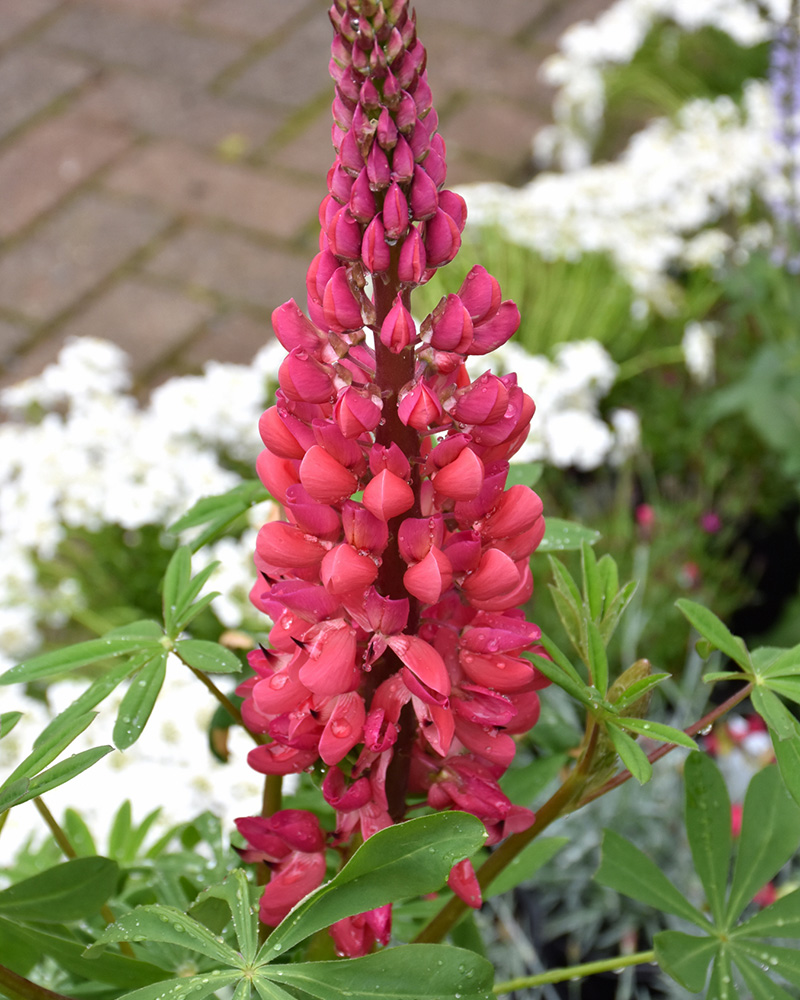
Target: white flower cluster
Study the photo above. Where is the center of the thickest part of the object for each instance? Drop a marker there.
(589, 48)
(169, 767)
(658, 205)
(94, 457)
(568, 430)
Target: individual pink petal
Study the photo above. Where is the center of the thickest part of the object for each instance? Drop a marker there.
(343, 798)
(272, 758)
(302, 377)
(428, 579)
(413, 260)
(517, 511)
(402, 161)
(480, 293)
(300, 876)
(344, 234)
(464, 551)
(391, 458)
(442, 239)
(486, 742)
(451, 326)
(293, 329)
(424, 198)
(375, 251)
(387, 495)
(343, 569)
(343, 729)
(331, 664)
(482, 706)
(528, 708)
(491, 333)
(398, 330)
(276, 435)
(417, 534)
(484, 402)
(340, 183)
(281, 692)
(285, 545)
(419, 407)
(464, 883)
(424, 662)
(378, 170)
(495, 576)
(362, 200)
(340, 306)
(356, 411)
(395, 212)
(326, 480)
(437, 725)
(462, 479)
(455, 206)
(362, 530)
(496, 670)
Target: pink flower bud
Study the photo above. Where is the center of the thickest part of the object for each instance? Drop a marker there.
(343, 569)
(386, 130)
(300, 876)
(317, 519)
(326, 480)
(464, 883)
(398, 330)
(369, 96)
(277, 436)
(496, 576)
(455, 206)
(344, 234)
(402, 161)
(340, 306)
(451, 326)
(419, 408)
(417, 534)
(423, 661)
(320, 272)
(356, 412)
(375, 250)
(406, 114)
(484, 402)
(362, 200)
(276, 473)
(350, 154)
(419, 142)
(498, 671)
(344, 728)
(391, 458)
(423, 98)
(340, 183)
(395, 212)
(480, 294)
(464, 551)
(435, 165)
(424, 196)
(303, 378)
(364, 128)
(342, 111)
(462, 479)
(378, 170)
(430, 577)
(285, 546)
(442, 239)
(387, 495)
(412, 264)
(517, 511)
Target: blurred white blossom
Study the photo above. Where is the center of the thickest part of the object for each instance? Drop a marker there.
(698, 350)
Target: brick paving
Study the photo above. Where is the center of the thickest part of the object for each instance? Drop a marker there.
(161, 161)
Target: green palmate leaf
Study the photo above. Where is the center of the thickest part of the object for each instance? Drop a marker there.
(717, 633)
(556, 673)
(218, 512)
(638, 690)
(598, 661)
(168, 925)
(772, 710)
(630, 753)
(789, 687)
(209, 657)
(7, 722)
(566, 536)
(140, 698)
(787, 754)
(525, 865)
(236, 892)
(770, 835)
(176, 579)
(759, 984)
(685, 958)
(615, 609)
(708, 825)
(67, 892)
(52, 741)
(720, 985)
(194, 987)
(408, 859)
(780, 919)
(657, 731)
(58, 774)
(79, 655)
(67, 951)
(410, 972)
(593, 589)
(777, 662)
(784, 961)
(627, 870)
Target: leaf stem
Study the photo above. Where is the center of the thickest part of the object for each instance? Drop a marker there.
(69, 851)
(16, 987)
(576, 971)
(224, 700)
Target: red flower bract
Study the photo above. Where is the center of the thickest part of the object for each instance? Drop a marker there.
(394, 583)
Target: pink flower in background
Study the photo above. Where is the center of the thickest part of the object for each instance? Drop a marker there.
(396, 656)
(711, 522)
